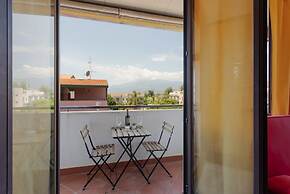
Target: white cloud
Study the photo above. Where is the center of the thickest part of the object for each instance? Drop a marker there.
(38, 72)
(166, 57)
(159, 58)
(117, 75)
(45, 50)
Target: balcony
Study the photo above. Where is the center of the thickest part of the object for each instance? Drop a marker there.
(75, 163)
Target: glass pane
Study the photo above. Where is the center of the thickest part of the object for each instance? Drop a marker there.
(33, 97)
(139, 69)
(224, 96)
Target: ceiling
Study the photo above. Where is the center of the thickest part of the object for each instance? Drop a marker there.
(164, 7)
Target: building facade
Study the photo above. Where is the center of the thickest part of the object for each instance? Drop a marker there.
(83, 92)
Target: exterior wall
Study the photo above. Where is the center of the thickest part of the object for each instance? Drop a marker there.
(83, 103)
(99, 93)
(18, 97)
(89, 96)
(72, 150)
(22, 97)
(88, 93)
(177, 95)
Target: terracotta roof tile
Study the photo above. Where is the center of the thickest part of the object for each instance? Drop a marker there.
(83, 82)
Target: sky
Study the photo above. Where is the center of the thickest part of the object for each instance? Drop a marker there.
(120, 53)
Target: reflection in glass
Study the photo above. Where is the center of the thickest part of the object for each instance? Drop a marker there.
(224, 96)
(33, 97)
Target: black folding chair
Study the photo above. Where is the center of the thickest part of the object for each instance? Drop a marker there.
(98, 154)
(155, 146)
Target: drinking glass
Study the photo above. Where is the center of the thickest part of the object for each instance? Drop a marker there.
(139, 121)
(118, 121)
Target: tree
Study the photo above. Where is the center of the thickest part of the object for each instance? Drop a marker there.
(149, 97)
(181, 88)
(43, 103)
(150, 93)
(167, 100)
(168, 90)
(46, 90)
(135, 98)
(111, 101)
(22, 85)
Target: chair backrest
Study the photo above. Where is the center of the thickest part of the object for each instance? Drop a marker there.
(167, 128)
(85, 133)
(278, 145)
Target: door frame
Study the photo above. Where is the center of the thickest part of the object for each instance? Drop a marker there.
(5, 97)
(56, 97)
(259, 98)
(188, 112)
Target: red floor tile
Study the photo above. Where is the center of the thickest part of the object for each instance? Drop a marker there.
(132, 182)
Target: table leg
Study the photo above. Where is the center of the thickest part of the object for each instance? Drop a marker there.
(131, 152)
(126, 166)
(120, 158)
(133, 158)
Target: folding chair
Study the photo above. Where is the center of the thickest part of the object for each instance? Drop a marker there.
(97, 154)
(152, 147)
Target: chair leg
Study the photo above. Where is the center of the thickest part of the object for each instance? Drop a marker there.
(91, 178)
(116, 163)
(152, 170)
(111, 169)
(159, 161)
(89, 173)
(104, 171)
(146, 160)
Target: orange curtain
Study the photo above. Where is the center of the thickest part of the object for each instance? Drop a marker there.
(223, 31)
(280, 26)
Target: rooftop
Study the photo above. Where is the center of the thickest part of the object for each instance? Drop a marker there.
(66, 80)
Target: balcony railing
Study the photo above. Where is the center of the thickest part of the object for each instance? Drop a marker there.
(72, 151)
(120, 107)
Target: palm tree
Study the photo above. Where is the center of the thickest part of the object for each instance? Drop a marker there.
(149, 97)
(168, 90)
(134, 98)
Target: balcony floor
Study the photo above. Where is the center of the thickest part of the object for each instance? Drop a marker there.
(132, 182)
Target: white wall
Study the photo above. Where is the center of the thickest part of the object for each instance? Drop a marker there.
(72, 150)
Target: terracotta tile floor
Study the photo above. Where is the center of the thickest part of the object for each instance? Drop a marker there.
(132, 182)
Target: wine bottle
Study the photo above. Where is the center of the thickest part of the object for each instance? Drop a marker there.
(127, 119)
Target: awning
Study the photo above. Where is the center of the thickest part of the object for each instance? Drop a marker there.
(118, 13)
(162, 14)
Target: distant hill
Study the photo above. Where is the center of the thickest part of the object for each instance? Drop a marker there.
(141, 86)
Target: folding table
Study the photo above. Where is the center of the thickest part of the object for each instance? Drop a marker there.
(125, 137)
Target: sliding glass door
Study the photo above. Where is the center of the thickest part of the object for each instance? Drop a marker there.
(224, 96)
(33, 68)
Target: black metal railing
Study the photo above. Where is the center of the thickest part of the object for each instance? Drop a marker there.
(121, 107)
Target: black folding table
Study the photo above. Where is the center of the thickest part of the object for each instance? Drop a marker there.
(125, 137)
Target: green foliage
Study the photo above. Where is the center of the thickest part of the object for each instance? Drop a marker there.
(166, 100)
(47, 91)
(168, 90)
(135, 98)
(149, 98)
(149, 93)
(22, 85)
(111, 101)
(43, 103)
